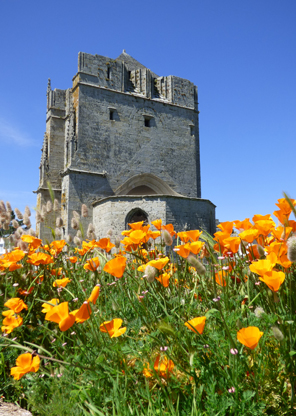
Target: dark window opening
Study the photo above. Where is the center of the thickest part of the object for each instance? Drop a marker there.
(108, 72)
(192, 130)
(136, 216)
(111, 115)
(147, 122)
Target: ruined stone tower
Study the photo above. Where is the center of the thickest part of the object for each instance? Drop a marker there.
(125, 142)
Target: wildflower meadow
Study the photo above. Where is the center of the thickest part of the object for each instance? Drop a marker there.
(154, 323)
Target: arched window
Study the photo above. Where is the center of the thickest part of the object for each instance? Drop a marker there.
(136, 215)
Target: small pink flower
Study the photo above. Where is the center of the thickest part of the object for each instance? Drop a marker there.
(234, 351)
(231, 390)
(64, 344)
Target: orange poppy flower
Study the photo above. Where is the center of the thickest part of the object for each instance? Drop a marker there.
(25, 363)
(264, 226)
(24, 292)
(249, 336)
(146, 371)
(261, 267)
(10, 322)
(196, 246)
(282, 233)
(220, 279)
(105, 244)
(51, 304)
(170, 229)
(220, 236)
(259, 217)
(277, 247)
(16, 305)
(273, 279)
(226, 226)
(39, 258)
(157, 224)
(164, 279)
(243, 225)
(57, 246)
(232, 244)
(158, 264)
(249, 235)
(183, 236)
(163, 366)
(116, 267)
(183, 250)
(94, 294)
(196, 324)
(92, 264)
(137, 237)
(61, 282)
(33, 242)
(113, 328)
(72, 259)
(153, 234)
(136, 225)
(194, 235)
(60, 315)
(83, 313)
(284, 205)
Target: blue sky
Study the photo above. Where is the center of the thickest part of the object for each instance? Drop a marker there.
(240, 54)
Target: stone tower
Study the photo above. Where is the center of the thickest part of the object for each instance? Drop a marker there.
(125, 142)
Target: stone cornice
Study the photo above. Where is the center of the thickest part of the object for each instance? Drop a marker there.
(71, 170)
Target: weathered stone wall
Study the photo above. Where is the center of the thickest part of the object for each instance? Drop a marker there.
(124, 147)
(81, 188)
(183, 213)
(122, 124)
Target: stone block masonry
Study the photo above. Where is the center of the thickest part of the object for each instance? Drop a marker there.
(122, 130)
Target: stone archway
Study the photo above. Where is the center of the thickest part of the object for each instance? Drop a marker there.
(136, 215)
(145, 184)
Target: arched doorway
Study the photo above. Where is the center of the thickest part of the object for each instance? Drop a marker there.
(136, 215)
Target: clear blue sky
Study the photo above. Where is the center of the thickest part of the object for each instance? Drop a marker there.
(240, 54)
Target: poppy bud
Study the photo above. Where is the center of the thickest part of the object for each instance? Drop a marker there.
(167, 238)
(76, 215)
(27, 211)
(74, 224)
(84, 211)
(91, 236)
(77, 241)
(110, 233)
(22, 245)
(6, 225)
(15, 224)
(79, 235)
(277, 333)
(259, 311)
(32, 232)
(43, 211)
(38, 217)
(8, 207)
(117, 242)
(56, 205)
(69, 238)
(48, 207)
(26, 220)
(18, 213)
(150, 273)
(20, 230)
(2, 206)
(260, 250)
(59, 222)
(58, 232)
(199, 267)
(291, 242)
